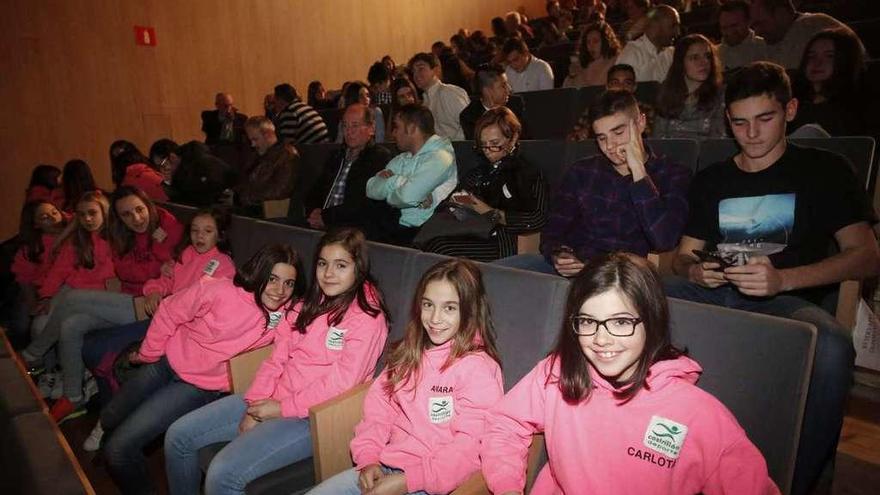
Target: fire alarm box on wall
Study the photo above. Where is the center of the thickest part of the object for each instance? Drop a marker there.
(145, 36)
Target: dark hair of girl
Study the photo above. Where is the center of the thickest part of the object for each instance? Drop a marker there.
(122, 161)
(673, 91)
(365, 290)
(849, 67)
(77, 179)
(222, 219)
(29, 236)
(476, 331)
(80, 237)
(254, 276)
(610, 44)
(46, 176)
(312, 93)
(121, 237)
(640, 284)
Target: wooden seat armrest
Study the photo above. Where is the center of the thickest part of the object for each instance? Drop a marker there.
(276, 208)
(140, 312)
(332, 425)
(243, 368)
(528, 243)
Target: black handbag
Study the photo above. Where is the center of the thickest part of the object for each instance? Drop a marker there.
(451, 219)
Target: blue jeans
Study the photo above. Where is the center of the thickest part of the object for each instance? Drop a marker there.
(346, 483)
(531, 262)
(142, 410)
(829, 382)
(101, 342)
(268, 446)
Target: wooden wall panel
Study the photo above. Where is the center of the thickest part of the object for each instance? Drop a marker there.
(72, 79)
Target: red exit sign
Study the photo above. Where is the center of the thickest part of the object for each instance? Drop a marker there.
(144, 35)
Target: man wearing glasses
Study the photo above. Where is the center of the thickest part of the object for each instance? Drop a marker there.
(626, 199)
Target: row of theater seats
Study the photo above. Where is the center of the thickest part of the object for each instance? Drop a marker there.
(757, 365)
(553, 157)
(34, 456)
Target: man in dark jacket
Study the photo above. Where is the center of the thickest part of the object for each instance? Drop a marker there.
(225, 124)
(339, 195)
(491, 85)
(272, 174)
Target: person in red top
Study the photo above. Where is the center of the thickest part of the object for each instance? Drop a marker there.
(142, 237)
(131, 168)
(44, 186)
(339, 333)
(424, 415)
(618, 404)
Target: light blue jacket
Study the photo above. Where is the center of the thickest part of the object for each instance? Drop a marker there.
(431, 171)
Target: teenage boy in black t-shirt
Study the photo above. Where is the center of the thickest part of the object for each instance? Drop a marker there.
(786, 207)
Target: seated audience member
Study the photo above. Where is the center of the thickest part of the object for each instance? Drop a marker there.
(192, 175)
(739, 44)
(271, 174)
(317, 97)
(503, 187)
(636, 19)
(403, 92)
(828, 86)
(379, 78)
(651, 53)
(565, 25)
(499, 30)
(787, 31)
(517, 26)
(358, 92)
(612, 378)
(549, 35)
(445, 101)
(76, 180)
(297, 123)
(460, 46)
(621, 77)
(454, 70)
(482, 51)
(45, 186)
(131, 168)
(772, 211)
(437, 47)
(626, 199)
(597, 51)
(225, 124)
(491, 84)
(416, 180)
(690, 103)
(525, 72)
(339, 196)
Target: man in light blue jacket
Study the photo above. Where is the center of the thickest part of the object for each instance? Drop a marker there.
(418, 179)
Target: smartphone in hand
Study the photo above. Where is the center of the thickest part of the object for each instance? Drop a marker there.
(712, 257)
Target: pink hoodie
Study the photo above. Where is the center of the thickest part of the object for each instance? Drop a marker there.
(146, 179)
(146, 257)
(308, 369)
(201, 327)
(65, 270)
(29, 271)
(191, 267)
(431, 432)
(672, 438)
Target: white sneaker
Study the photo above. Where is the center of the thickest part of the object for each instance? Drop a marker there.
(93, 442)
(91, 386)
(50, 385)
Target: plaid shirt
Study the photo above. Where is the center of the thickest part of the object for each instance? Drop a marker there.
(596, 210)
(381, 97)
(337, 192)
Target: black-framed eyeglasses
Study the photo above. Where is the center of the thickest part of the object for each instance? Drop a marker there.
(491, 148)
(617, 326)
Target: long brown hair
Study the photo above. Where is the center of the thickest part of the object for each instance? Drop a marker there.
(121, 237)
(316, 304)
(79, 236)
(476, 333)
(637, 280)
(610, 44)
(673, 92)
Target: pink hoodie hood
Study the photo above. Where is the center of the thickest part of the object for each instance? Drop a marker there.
(431, 426)
(671, 438)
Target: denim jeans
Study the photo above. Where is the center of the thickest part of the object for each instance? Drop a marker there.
(101, 342)
(142, 410)
(77, 313)
(530, 262)
(346, 483)
(830, 379)
(268, 446)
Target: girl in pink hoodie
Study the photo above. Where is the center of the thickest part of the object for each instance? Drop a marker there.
(424, 415)
(186, 351)
(40, 225)
(337, 338)
(618, 404)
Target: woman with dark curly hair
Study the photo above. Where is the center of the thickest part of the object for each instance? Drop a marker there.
(597, 52)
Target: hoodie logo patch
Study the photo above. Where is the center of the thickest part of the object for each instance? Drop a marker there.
(440, 409)
(665, 436)
(274, 319)
(335, 339)
(211, 267)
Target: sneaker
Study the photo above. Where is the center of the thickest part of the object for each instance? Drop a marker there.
(93, 442)
(90, 388)
(64, 409)
(50, 385)
(34, 366)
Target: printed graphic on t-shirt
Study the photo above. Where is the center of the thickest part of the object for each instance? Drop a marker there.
(335, 338)
(211, 267)
(756, 224)
(665, 436)
(440, 409)
(274, 319)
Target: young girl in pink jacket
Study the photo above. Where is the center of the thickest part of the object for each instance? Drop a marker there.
(618, 404)
(424, 415)
(337, 338)
(185, 354)
(41, 224)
